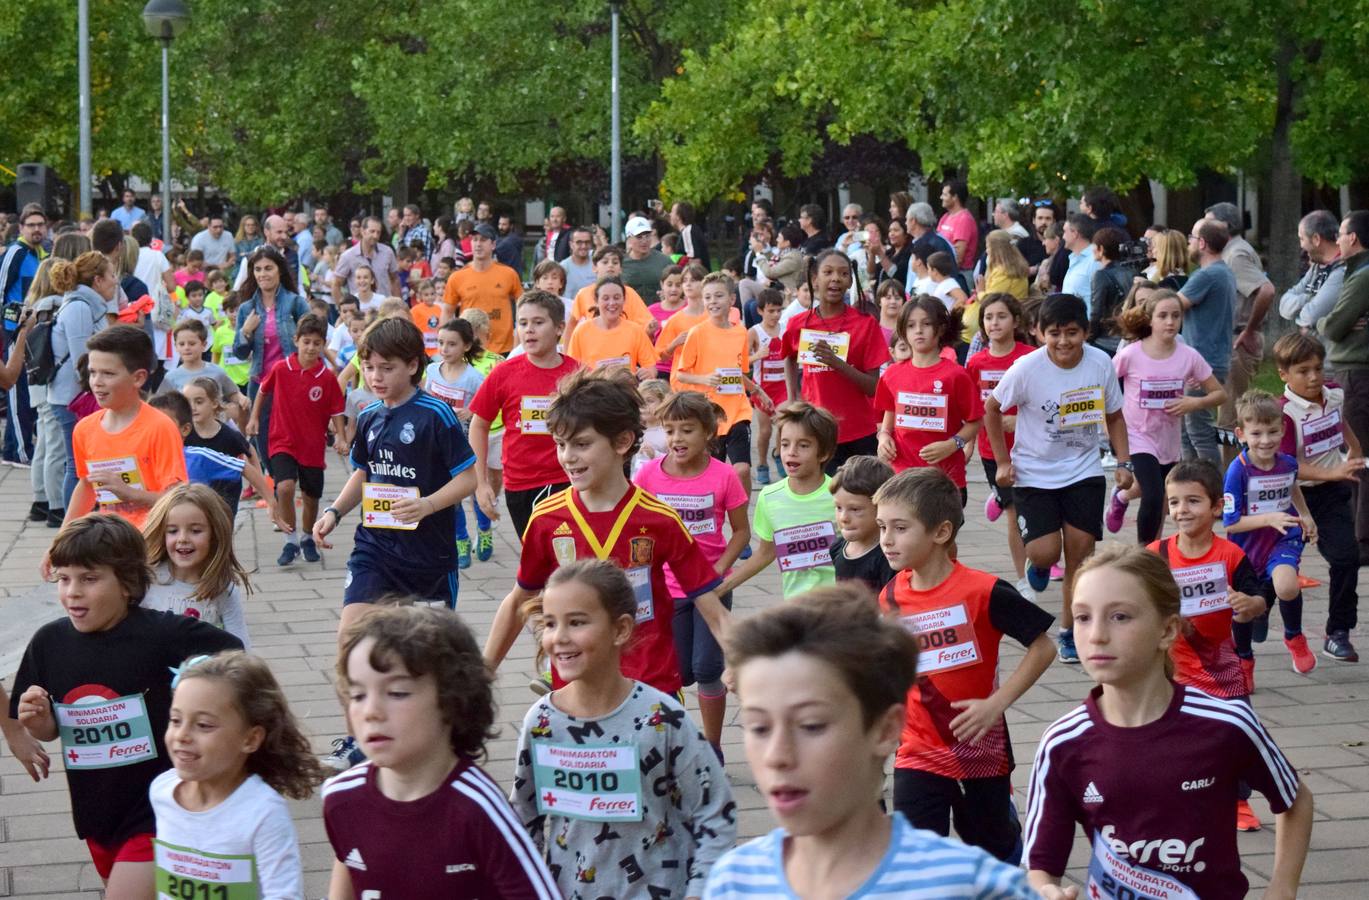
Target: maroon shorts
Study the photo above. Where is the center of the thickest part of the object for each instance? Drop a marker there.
(137, 848)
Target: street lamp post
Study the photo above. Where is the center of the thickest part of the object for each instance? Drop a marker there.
(165, 20)
(616, 152)
(83, 89)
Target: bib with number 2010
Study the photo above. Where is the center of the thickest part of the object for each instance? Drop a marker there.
(186, 874)
(105, 735)
(1113, 878)
(586, 781)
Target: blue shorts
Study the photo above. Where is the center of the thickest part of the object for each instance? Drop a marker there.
(371, 578)
(1286, 552)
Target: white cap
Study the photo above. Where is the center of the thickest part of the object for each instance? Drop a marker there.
(635, 226)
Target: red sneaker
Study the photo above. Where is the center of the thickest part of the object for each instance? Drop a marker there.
(1303, 659)
(1248, 669)
(248, 493)
(1246, 820)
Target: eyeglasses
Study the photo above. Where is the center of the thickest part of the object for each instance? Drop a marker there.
(1041, 204)
(851, 218)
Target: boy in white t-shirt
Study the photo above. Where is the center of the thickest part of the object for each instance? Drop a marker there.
(1065, 393)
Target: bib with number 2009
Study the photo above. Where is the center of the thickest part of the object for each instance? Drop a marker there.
(602, 783)
(105, 735)
(186, 874)
(804, 546)
(945, 639)
(638, 576)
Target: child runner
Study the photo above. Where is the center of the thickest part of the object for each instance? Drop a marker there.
(233, 366)
(612, 777)
(671, 338)
(608, 263)
(704, 491)
(1330, 458)
(839, 352)
(100, 679)
(930, 406)
(222, 821)
(224, 456)
(306, 401)
(796, 518)
(1156, 830)
(857, 555)
(955, 756)
(1261, 497)
(1154, 370)
(421, 820)
(890, 299)
(454, 379)
(670, 300)
(1005, 342)
(426, 313)
(653, 392)
(1065, 392)
(714, 358)
(765, 348)
(550, 277)
(190, 337)
(521, 391)
(194, 570)
(823, 680)
(596, 422)
(608, 339)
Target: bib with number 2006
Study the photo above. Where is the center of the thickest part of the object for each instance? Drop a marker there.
(186, 874)
(105, 735)
(1081, 407)
(602, 783)
(124, 468)
(1113, 878)
(945, 639)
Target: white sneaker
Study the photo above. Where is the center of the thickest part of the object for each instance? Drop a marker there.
(1025, 589)
(1109, 461)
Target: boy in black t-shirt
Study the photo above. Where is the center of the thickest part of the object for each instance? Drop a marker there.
(101, 680)
(856, 554)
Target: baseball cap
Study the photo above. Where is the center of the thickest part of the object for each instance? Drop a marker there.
(486, 230)
(635, 226)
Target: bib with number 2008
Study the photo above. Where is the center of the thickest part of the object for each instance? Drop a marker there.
(105, 735)
(945, 639)
(186, 874)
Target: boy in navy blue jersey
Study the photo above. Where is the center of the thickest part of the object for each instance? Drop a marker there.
(413, 465)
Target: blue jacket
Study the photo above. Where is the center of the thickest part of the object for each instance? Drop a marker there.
(290, 307)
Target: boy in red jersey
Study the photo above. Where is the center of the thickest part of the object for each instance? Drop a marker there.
(597, 425)
(955, 755)
(522, 388)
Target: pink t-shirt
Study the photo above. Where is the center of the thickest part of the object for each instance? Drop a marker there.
(960, 226)
(703, 502)
(1147, 384)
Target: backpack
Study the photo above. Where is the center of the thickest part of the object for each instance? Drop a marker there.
(40, 358)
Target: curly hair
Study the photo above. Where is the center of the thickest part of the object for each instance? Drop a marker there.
(284, 760)
(426, 641)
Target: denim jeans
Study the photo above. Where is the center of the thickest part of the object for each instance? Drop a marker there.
(67, 420)
(1199, 434)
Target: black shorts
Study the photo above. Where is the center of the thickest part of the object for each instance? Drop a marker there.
(520, 503)
(285, 467)
(864, 446)
(735, 446)
(1004, 495)
(981, 807)
(1043, 511)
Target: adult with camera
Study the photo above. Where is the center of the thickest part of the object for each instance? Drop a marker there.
(1108, 287)
(17, 269)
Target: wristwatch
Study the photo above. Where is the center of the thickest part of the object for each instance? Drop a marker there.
(1128, 466)
(337, 516)
(959, 441)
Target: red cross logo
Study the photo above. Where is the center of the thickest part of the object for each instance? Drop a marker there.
(370, 518)
(549, 798)
(1093, 890)
(73, 756)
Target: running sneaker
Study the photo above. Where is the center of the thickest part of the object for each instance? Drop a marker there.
(463, 554)
(541, 685)
(38, 511)
(1339, 648)
(992, 508)
(248, 493)
(1025, 589)
(1066, 651)
(309, 549)
(1246, 820)
(1038, 579)
(1303, 659)
(484, 545)
(288, 555)
(1248, 670)
(1117, 511)
(762, 475)
(1057, 572)
(1109, 461)
(345, 754)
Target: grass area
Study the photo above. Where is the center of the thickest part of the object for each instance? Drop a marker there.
(1267, 379)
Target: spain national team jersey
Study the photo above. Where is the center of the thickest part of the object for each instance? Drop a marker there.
(411, 450)
(1158, 801)
(1204, 654)
(1250, 491)
(641, 534)
(958, 625)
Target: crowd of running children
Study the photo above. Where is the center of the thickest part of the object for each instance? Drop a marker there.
(621, 438)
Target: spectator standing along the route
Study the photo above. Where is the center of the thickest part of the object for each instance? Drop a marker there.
(508, 249)
(216, 244)
(642, 264)
(371, 252)
(1209, 298)
(1315, 294)
(579, 268)
(957, 225)
(129, 214)
(693, 241)
(813, 221)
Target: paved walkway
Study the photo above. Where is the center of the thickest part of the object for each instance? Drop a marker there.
(1322, 721)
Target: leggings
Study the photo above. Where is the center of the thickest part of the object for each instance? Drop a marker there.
(1150, 475)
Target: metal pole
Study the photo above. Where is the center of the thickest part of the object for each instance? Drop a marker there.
(616, 163)
(83, 77)
(166, 138)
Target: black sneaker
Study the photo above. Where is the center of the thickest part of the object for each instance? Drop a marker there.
(288, 555)
(55, 517)
(38, 512)
(306, 546)
(1339, 648)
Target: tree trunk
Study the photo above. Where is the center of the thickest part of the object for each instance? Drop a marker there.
(1285, 184)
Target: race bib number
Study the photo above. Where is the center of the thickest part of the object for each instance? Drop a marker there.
(839, 341)
(532, 415)
(1081, 408)
(922, 412)
(105, 735)
(430, 341)
(1202, 589)
(640, 579)
(696, 510)
(1113, 878)
(185, 874)
(730, 382)
(1322, 434)
(1156, 392)
(772, 370)
(945, 639)
(452, 396)
(805, 546)
(1269, 493)
(124, 469)
(988, 380)
(612, 361)
(602, 783)
(377, 501)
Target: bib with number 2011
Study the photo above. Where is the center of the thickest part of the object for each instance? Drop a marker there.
(105, 735)
(602, 783)
(186, 874)
(638, 576)
(1113, 878)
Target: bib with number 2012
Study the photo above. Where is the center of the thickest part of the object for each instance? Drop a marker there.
(105, 735)
(186, 874)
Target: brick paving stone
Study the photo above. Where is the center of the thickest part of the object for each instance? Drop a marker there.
(1322, 720)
